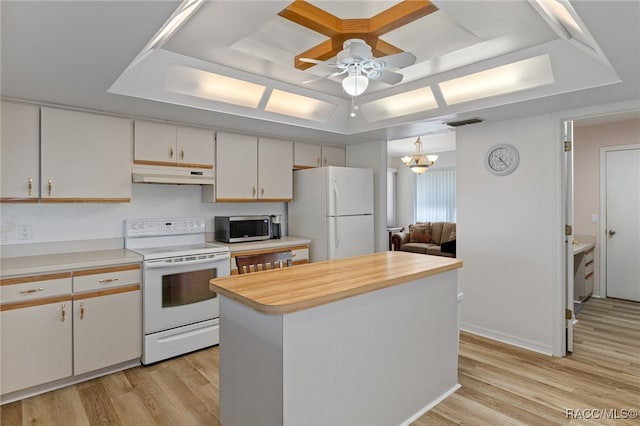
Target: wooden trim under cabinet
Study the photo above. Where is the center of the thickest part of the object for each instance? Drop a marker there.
(173, 164)
(35, 302)
(302, 167)
(19, 200)
(107, 270)
(85, 200)
(106, 292)
(34, 278)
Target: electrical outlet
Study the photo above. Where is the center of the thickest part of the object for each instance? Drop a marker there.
(594, 218)
(24, 232)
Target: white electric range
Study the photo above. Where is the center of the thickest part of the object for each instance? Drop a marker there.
(180, 312)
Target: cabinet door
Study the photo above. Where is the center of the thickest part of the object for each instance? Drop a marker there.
(306, 155)
(20, 152)
(236, 167)
(36, 344)
(85, 157)
(275, 170)
(154, 143)
(107, 330)
(195, 147)
(334, 156)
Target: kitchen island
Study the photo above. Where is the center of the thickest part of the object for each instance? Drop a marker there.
(364, 340)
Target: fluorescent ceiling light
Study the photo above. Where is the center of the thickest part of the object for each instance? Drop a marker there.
(521, 75)
(181, 14)
(215, 87)
(562, 13)
(405, 103)
(286, 103)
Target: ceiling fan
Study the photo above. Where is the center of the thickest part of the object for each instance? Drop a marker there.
(359, 65)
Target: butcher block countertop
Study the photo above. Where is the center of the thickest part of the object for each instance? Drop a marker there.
(300, 287)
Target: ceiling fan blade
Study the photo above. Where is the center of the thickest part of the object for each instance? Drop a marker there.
(385, 76)
(326, 76)
(398, 60)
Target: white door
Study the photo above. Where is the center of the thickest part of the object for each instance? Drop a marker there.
(569, 317)
(350, 191)
(350, 236)
(623, 223)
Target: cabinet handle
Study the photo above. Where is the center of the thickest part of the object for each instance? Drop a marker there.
(64, 312)
(253, 191)
(318, 160)
(30, 186)
(81, 310)
(50, 187)
(325, 161)
(182, 154)
(262, 190)
(31, 290)
(108, 280)
(170, 152)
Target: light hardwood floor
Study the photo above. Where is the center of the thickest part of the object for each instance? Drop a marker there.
(501, 384)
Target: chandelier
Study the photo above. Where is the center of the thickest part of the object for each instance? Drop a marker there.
(419, 162)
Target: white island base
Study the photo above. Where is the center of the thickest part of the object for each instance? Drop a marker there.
(384, 357)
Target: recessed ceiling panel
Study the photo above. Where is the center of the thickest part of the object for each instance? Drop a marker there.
(215, 87)
(286, 103)
(514, 77)
(399, 105)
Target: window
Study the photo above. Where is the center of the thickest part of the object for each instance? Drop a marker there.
(391, 197)
(436, 196)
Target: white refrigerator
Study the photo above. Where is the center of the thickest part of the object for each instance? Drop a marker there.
(333, 207)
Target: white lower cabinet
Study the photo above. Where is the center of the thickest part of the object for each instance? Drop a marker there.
(59, 325)
(36, 345)
(107, 330)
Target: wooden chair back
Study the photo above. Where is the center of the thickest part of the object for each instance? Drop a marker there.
(264, 261)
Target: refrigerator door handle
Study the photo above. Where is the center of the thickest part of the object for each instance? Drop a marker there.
(337, 235)
(335, 198)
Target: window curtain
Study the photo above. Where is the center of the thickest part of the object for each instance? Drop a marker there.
(436, 196)
(391, 197)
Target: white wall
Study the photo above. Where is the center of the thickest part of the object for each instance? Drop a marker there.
(373, 155)
(88, 221)
(509, 233)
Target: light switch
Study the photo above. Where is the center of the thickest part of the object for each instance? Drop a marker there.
(594, 218)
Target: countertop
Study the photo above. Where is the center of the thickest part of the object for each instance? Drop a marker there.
(300, 287)
(582, 247)
(265, 244)
(44, 263)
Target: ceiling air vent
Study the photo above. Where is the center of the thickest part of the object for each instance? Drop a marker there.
(464, 122)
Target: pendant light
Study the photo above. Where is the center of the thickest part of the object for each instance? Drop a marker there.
(419, 162)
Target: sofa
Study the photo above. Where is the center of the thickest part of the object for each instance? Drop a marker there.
(434, 238)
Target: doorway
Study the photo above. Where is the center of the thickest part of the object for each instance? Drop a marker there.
(588, 220)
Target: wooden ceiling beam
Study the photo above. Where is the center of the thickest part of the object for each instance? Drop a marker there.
(399, 15)
(339, 30)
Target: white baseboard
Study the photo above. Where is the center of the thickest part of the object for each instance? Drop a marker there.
(442, 397)
(508, 339)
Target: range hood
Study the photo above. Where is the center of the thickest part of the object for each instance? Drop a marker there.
(171, 175)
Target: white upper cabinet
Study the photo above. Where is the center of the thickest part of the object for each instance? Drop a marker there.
(20, 152)
(252, 169)
(307, 155)
(85, 157)
(334, 156)
(275, 170)
(163, 144)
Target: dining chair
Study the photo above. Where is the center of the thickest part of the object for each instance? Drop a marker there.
(264, 261)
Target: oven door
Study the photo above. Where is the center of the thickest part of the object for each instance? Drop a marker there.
(177, 293)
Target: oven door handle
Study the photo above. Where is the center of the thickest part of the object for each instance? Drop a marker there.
(168, 263)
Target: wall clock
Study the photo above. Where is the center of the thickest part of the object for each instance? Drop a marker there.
(502, 159)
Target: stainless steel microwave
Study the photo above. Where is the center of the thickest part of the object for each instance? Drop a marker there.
(237, 229)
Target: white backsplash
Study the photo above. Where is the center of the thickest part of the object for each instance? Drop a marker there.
(88, 221)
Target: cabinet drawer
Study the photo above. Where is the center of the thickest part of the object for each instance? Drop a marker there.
(588, 256)
(300, 256)
(34, 287)
(96, 279)
(588, 268)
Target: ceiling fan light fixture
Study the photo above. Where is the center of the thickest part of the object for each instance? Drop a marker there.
(355, 85)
